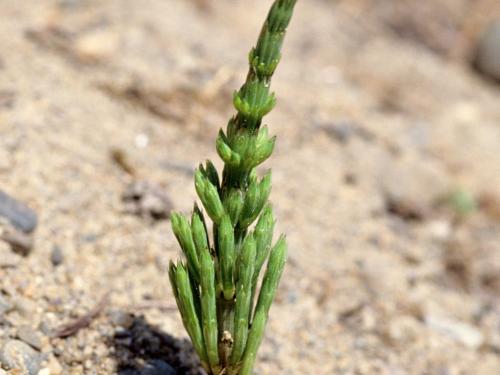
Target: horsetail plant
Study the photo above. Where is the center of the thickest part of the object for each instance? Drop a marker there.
(216, 286)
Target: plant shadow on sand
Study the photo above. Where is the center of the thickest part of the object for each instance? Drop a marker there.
(144, 349)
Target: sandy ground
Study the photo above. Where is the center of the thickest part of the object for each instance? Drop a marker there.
(383, 133)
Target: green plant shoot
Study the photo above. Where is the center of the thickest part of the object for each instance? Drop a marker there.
(216, 287)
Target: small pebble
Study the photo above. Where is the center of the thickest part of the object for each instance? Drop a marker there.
(121, 319)
(24, 306)
(56, 256)
(8, 259)
(462, 332)
(17, 355)
(439, 229)
(20, 242)
(17, 213)
(340, 131)
(158, 367)
(30, 336)
(89, 237)
(128, 371)
(96, 46)
(411, 188)
(55, 367)
(147, 200)
(48, 324)
(487, 58)
(5, 305)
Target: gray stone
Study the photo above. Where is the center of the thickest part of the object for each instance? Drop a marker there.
(121, 318)
(158, 367)
(20, 242)
(16, 355)
(487, 58)
(5, 305)
(147, 200)
(56, 256)
(153, 367)
(18, 214)
(24, 306)
(341, 131)
(30, 336)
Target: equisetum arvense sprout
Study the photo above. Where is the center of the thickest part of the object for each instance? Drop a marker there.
(216, 287)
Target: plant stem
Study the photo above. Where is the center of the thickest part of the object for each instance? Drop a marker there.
(225, 322)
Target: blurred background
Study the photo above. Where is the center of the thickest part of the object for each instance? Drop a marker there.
(386, 180)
